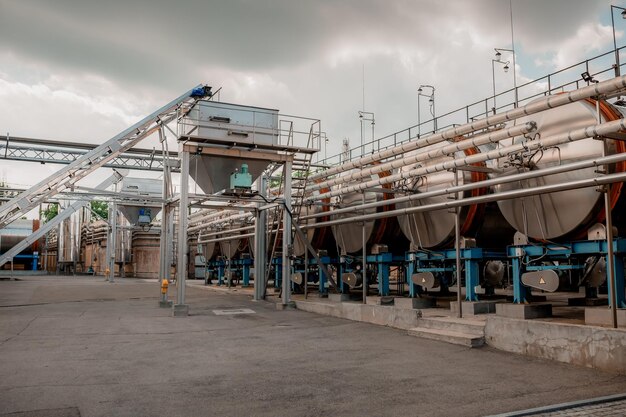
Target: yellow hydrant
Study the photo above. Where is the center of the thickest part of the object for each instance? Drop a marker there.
(164, 284)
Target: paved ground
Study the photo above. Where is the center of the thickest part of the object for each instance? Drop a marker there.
(80, 346)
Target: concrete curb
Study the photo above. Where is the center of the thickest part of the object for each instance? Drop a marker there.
(563, 406)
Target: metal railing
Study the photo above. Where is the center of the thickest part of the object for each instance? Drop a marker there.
(600, 67)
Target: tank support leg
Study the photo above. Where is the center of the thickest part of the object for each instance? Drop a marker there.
(220, 274)
(471, 279)
(246, 274)
(519, 290)
(322, 280)
(620, 296)
(383, 278)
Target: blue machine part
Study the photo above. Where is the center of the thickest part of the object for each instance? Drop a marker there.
(145, 216)
(204, 91)
(471, 257)
(241, 180)
(532, 258)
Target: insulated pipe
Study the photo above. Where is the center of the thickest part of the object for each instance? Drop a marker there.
(227, 238)
(546, 103)
(505, 195)
(571, 136)
(613, 159)
(233, 217)
(216, 215)
(428, 154)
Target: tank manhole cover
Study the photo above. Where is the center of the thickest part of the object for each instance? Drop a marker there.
(233, 311)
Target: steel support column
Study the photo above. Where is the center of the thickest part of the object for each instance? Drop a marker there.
(286, 236)
(181, 309)
(260, 244)
(113, 242)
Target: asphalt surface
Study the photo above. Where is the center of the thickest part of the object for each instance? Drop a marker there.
(84, 347)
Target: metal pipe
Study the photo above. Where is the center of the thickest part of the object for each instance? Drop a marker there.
(531, 108)
(505, 195)
(227, 238)
(228, 218)
(487, 183)
(221, 232)
(429, 154)
(571, 136)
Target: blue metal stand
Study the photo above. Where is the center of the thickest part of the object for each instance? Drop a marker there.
(523, 258)
(422, 261)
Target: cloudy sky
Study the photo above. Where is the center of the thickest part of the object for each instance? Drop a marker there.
(84, 70)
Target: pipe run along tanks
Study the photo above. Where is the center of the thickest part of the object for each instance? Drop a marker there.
(436, 229)
(565, 215)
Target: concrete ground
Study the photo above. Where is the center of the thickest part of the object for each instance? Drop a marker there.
(83, 347)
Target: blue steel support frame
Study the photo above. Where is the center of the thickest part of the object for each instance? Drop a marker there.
(470, 256)
(221, 270)
(278, 271)
(566, 252)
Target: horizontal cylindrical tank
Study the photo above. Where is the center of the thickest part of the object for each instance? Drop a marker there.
(14, 233)
(564, 215)
(320, 238)
(435, 229)
(382, 231)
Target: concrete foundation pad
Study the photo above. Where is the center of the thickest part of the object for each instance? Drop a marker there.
(524, 311)
(180, 310)
(472, 308)
(165, 304)
(400, 318)
(582, 301)
(380, 301)
(604, 317)
(590, 346)
(281, 306)
(414, 303)
(338, 297)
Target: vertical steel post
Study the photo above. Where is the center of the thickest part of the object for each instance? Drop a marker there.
(364, 260)
(610, 259)
(286, 234)
(163, 243)
(617, 65)
(113, 242)
(306, 272)
(457, 247)
(260, 256)
(181, 309)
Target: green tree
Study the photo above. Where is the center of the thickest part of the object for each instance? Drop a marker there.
(100, 209)
(50, 212)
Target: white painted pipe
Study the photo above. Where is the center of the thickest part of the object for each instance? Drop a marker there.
(590, 163)
(462, 145)
(504, 195)
(571, 136)
(546, 103)
(210, 223)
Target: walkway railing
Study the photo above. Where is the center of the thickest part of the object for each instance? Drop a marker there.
(601, 67)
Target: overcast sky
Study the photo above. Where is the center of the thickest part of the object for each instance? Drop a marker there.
(84, 70)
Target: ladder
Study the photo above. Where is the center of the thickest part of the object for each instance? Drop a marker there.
(67, 177)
